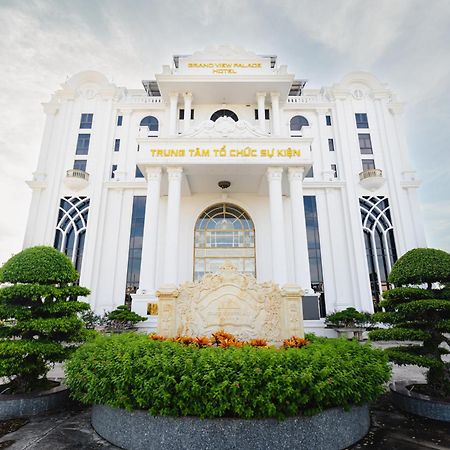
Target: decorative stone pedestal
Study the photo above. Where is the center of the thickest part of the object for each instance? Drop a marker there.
(234, 302)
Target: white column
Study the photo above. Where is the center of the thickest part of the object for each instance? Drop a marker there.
(300, 240)
(187, 111)
(173, 113)
(279, 268)
(275, 99)
(172, 226)
(150, 238)
(261, 114)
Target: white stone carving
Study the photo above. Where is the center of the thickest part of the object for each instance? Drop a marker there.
(225, 127)
(232, 301)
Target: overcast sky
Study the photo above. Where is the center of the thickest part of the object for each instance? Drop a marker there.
(405, 43)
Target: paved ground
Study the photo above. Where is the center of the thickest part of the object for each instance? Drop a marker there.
(390, 430)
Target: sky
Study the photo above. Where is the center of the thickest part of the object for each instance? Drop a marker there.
(404, 43)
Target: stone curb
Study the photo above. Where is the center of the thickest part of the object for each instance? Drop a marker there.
(24, 405)
(332, 429)
(418, 404)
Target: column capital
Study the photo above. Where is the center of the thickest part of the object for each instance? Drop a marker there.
(187, 95)
(173, 96)
(296, 173)
(153, 173)
(274, 173)
(274, 95)
(260, 95)
(174, 173)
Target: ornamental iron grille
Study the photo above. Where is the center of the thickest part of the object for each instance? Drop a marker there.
(224, 232)
(379, 242)
(71, 228)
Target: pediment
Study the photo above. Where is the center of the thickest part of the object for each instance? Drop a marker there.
(225, 127)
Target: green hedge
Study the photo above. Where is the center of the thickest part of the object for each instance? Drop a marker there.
(167, 378)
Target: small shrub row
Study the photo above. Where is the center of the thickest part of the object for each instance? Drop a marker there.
(167, 378)
(223, 339)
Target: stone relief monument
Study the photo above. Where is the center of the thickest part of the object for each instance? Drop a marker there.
(232, 301)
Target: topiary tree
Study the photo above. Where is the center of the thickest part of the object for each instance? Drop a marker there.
(122, 318)
(416, 313)
(39, 315)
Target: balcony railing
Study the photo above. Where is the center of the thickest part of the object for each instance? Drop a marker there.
(76, 179)
(371, 179)
(370, 173)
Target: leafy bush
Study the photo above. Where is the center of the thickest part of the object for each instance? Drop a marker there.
(419, 314)
(122, 318)
(348, 318)
(167, 378)
(39, 312)
(421, 265)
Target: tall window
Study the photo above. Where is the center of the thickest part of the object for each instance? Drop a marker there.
(181, 114)
(119, 121)
(135, 248)
(224, 113)
(224, 232)
(328, 121)
(314, 252)
(71, 228)
(86, 120)
(117, 145)
(266, 114)
(379, 241)
(365, 143)
(296, 124)
(331, 145)
(83, 144)
(361, 120)
(150, 123)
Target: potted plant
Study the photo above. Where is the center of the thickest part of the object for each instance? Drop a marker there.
(122, 319)
(219, 392)
(38, 307)
(349, 322)
(418, 309)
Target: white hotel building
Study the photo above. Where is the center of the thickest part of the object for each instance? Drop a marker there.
(226, 156)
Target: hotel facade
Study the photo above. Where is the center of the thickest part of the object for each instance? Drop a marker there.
(226, 156)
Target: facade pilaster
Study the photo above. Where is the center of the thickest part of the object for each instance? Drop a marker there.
(172, 226)
(275, 100)
(173, 114)
(187, 111)
(261, 98)
(279, 267)
(300, 240)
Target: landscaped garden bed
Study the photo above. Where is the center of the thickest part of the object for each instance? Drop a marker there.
(314, 394)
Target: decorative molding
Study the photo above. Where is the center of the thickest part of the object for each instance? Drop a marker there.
(225, 127)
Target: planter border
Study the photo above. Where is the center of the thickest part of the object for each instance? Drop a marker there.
(417, 403)
(331, 429)
(23, 405)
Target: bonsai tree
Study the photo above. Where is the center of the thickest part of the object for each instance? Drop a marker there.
(39, 322)
(348, 318)
(122, 318)
(419, 312)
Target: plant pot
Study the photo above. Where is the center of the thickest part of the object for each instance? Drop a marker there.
(332, 429)
(418, 404)
(350, 333)
(24, 405)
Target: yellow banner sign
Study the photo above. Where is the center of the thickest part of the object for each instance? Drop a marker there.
(224, 152)
(218, 67)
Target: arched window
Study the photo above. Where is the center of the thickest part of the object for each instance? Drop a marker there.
(151, 123)
(224, 113)
(224, 232)
(379, 241)
(296, 124)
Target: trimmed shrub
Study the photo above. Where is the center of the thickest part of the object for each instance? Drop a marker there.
(421, 265)
(168, 378)
(419, 314)
(348, 318)
(122, 318)
(39, 315)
